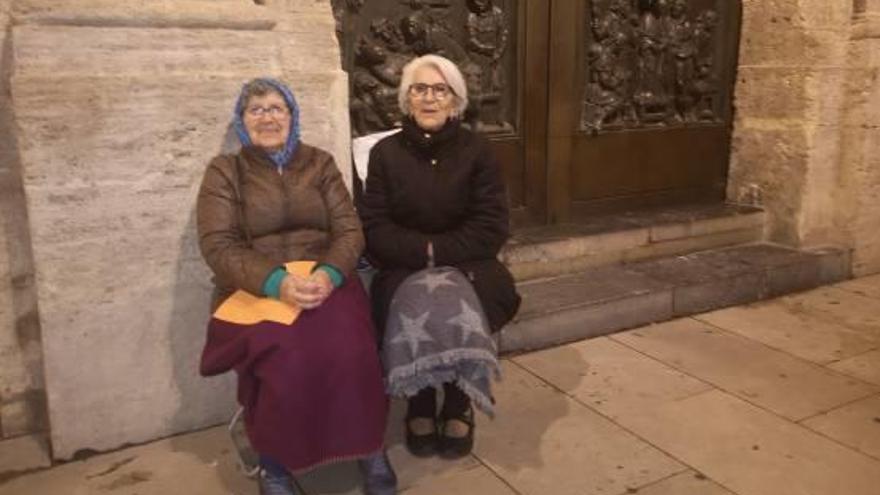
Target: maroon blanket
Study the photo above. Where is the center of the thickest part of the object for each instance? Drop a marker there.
(312, 391)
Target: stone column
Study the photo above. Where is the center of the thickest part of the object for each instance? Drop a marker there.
(786, 142)
(859, 194)
(118, 107)
(805, 139)
(22, 395)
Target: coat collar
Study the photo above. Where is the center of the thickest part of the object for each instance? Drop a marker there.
(430, 141)
(257, 155)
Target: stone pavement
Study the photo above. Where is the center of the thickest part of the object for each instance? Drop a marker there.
(775, 398)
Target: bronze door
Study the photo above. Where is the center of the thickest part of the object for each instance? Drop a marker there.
(591, 104)
(500, 47)
(639, 103)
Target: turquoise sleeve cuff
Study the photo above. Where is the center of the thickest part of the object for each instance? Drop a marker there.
(272, 285)
(335, 275)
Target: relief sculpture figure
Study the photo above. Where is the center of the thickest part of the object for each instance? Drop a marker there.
(705, 85)
(682, 52)
(374, 105)
(651, 97)
(378, 37)
(487, 35)
(605, 105)
(649, 63)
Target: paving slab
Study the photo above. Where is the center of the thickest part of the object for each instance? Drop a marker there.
(865, 367)
(856, 424)
(543, 442)
(769, 378)
(751, 451)
(834, 304)
(686, 483)
(788, 328)
(610, 377)
(341, 478)
(345, 479)
(203, 462)
(478, 480)
(864, 286)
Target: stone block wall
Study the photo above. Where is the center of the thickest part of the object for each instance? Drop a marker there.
(118, 107)
(859, 192)
(788, 102)
(804, 120)
(22, 394)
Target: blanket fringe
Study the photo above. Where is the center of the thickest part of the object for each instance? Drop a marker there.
(471, 369)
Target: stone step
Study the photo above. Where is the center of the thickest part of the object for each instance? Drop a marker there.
(630, 236)
(604, 299)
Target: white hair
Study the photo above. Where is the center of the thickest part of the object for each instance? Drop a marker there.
(447, 69)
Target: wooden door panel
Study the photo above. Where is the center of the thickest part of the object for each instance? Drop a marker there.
(510, 152)
(623, 164)
(642, 111)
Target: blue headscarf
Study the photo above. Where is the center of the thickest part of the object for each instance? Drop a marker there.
(282, 156)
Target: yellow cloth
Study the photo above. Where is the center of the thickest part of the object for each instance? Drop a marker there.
(244, 308)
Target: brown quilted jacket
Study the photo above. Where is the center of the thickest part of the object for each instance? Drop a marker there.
(304, 213)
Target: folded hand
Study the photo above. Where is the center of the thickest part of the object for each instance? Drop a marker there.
(306, 292)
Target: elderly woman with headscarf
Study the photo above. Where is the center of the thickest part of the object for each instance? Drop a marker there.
(311, 390)
(434, 196)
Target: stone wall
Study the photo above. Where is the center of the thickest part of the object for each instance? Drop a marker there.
(859, 191)
(118, 107)
(22, 396)
(804, 113)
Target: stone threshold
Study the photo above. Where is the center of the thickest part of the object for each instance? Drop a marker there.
(629, 236)
(601, 300)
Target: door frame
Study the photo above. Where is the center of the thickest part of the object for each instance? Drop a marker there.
(533, 65)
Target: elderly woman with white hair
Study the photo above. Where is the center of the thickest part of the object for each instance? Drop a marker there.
(434, 197)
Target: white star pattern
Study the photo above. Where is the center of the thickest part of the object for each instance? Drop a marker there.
(469, 320)
(434, 280)
(413, 332)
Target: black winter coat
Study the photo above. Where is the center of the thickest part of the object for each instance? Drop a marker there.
(446, 188)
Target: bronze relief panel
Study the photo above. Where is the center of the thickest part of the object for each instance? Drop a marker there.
(654, 64)
(379, 37)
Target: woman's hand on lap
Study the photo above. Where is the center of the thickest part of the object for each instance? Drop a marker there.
(306, 292)
(321, 279)
(300, 291)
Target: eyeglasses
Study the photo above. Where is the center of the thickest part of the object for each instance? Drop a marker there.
(274, 111)
(441, 91)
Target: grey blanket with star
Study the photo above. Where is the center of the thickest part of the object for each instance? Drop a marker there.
(436, 332)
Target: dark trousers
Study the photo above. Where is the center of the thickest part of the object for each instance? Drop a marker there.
(424, 403)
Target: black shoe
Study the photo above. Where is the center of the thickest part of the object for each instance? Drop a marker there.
(424, 445)
(455, 447)
(379, 476)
